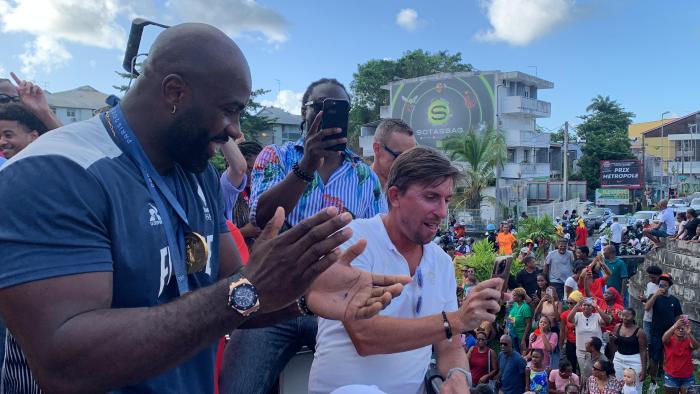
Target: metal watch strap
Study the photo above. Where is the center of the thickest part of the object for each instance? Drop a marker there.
(467, 375)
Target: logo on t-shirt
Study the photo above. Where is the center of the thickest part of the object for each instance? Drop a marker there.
(155, 219)
(205, 209)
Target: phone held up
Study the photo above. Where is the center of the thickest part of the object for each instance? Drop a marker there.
(501, 269)
(335, 115)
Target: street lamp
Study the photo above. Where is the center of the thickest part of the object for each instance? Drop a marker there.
(668, 173)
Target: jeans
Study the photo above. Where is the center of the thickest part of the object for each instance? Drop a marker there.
(559, 287)
(254, 358)
(646, 326)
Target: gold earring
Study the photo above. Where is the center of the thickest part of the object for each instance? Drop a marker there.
(174, 110)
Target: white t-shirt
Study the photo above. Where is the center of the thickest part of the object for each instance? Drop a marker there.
(669, 218)
(570, 282)
(616, 229)
(651, 289)
(336, 362)
(587, 327)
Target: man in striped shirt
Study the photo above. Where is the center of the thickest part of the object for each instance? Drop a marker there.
(302, 177)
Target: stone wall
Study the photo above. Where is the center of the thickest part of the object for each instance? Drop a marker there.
(681, 259)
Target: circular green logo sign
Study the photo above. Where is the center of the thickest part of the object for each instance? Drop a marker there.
(439, 112)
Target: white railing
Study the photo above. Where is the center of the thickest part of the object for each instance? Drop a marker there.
(555, 209)
(527, 138)
(526, 105)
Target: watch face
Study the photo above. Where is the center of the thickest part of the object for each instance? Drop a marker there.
(244, 297)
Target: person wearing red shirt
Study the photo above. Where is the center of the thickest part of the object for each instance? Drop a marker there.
(582, 235)
(679, 344)
(613, 305)
(592, 284)
(567, 336)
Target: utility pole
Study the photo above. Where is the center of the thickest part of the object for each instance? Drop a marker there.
(668, 170)
(565, 185)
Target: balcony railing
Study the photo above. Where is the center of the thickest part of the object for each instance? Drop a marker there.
(526, 106)
(527, 138)
(525, 170)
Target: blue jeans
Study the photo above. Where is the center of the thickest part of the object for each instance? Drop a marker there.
(646, 326)
(254, 358)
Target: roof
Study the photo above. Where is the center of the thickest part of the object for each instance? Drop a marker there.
(281, 116)
(636, 129)
(85, 97)
(675, 126)
(509, 75)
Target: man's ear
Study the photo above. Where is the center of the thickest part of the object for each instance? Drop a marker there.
(34, 135)
(176, 92)
(392, 195)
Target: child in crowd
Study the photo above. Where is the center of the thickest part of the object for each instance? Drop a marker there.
(679, 344)
(536, 374)
(560, 378)
(630, 380)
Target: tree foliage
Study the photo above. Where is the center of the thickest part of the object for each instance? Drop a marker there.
(539, 229)
(367, 92)
(483, 151)
(558, 136)
(604, 129)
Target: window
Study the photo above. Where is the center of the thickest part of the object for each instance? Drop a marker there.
(527, 91)
(511, 156)
(70, 113)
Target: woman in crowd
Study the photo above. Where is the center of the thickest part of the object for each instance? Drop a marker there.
(587, 324)
(613, 305)
(536, 374)
(468, 279)
(567, 336)
(550, 306)
(483, 363)
(520, 317)
(544, 339)
(602, 380)
(679, 344)
(542, 285)
(631, 344)
(561, 378)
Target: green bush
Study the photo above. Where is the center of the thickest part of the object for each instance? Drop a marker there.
(482, 260)
(539, 229)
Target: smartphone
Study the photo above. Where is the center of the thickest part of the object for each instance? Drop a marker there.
(335, 115)
(588, 300)
(684, 319)
(501, 269)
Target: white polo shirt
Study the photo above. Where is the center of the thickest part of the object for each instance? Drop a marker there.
(336, 362)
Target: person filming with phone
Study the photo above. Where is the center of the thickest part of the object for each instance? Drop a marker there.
(303, 176)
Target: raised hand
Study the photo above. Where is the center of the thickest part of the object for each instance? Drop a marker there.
(32, 98)
(282, 267)
(315, 147)
(346, 293)
(482, 304)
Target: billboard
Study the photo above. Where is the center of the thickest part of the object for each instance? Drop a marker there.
(625, 174)
(612, 196)
(440, 108)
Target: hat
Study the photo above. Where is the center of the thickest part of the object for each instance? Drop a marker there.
(575, 296)
(490, 227)
(667, 277)
(525, 250)
(528, 241)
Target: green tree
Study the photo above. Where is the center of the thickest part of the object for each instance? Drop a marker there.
(558, 136)
(366, 86)
(483, 152)
(604, 129)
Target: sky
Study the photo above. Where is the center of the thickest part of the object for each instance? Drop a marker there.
(644, 54)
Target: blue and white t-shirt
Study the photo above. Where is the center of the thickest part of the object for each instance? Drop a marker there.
(75, 203)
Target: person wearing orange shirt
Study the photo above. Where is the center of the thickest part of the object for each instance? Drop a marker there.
(505, 240)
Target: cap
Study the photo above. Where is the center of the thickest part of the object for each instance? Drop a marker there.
(667, 277)
(528, 241)
(575, 296)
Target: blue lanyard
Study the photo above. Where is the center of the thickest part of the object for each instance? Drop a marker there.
(155, 183)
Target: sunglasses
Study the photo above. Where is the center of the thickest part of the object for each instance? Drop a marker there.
(598, 369)
(481, 339)
(392, 152)
(4, 99)
(504, 344)
(315, 104)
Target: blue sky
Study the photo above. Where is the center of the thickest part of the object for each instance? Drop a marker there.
(644, 54)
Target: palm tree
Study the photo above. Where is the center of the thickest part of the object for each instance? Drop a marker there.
(483, 151)
(603, 104)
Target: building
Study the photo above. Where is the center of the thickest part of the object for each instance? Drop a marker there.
(286, 126)
(77, 104)
(446, 104)
(670, 151)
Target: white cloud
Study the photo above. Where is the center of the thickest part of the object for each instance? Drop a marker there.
(519, 22)
(2, 71)
(235, 17)
(287, 100)
(408, 19)
(54, 22)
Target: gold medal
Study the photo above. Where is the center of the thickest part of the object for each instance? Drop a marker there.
(196, 252)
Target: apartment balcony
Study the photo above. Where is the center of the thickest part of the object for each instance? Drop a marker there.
(684, 167)
(526, 106)
(527, 138)
(384, 112)
(526, 170)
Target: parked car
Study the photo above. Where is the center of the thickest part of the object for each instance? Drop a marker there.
(695, 204)
(640, 216)
(596, 216)
(624, 220)
(678, 204)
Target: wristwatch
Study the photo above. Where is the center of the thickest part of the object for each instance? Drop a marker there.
(242, 295)
(463, 371)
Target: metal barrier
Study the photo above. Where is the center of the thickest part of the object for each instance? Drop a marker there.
(555, 209)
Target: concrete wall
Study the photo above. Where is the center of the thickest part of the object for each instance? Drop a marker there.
(681, 259)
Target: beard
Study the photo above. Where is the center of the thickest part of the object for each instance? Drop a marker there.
(188, 142)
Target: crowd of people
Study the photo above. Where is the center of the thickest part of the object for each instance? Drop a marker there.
(134, 266)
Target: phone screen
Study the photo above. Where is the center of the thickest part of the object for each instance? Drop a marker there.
(501, 269)
(335, 115)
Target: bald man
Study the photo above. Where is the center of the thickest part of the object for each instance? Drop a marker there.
(119, 273)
